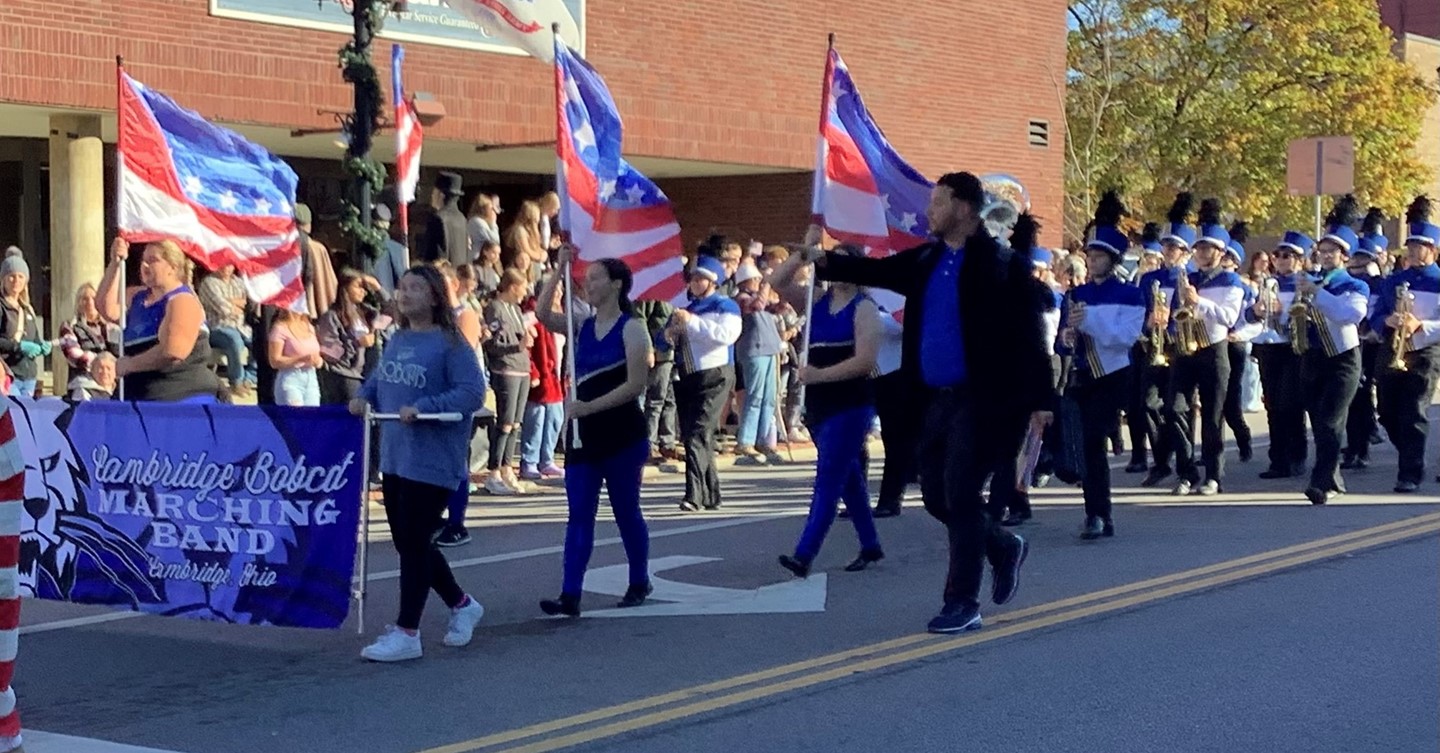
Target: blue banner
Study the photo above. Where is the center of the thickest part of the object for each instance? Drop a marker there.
(234, 514)
(425, 21)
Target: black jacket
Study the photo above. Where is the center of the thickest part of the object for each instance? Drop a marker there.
(1001, 307)
(446, 236)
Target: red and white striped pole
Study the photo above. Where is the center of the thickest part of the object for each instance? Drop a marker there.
(12, 495)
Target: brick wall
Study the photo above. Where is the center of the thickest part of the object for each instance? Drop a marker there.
(1411, 17)
(733, 81)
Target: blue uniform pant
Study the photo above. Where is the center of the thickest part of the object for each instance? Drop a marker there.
(621, 474)
(839, 474)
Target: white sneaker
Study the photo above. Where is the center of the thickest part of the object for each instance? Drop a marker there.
(393, 645)
(462, 624)
(497, 487)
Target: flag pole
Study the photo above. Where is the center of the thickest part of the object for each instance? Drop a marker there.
(119, 193)
(817, 209)
(568, 307)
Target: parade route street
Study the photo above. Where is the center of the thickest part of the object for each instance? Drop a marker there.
(1251, 621)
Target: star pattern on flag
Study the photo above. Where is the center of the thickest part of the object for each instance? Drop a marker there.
(228, 202)
(193, 186)
(908, 220)
(262, 206)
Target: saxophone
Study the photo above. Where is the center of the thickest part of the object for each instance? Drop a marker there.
(1300, 323)
(1399, 343)
(1186, 319)
(1157, 334)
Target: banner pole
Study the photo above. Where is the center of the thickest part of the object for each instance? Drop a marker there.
(817, 201)
(568, 307)
(119, 193)
(363, 550)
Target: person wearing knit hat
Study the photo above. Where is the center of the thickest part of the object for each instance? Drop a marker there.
(21, 344)
(1153, 381)
(757, 357)
(1212, 297)
(1101, 320)
(1360, 424)
(1405, 393)
(1330, 355)
(703, 333)
(1237, 347)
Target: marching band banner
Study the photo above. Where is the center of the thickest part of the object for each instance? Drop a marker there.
(226, 513)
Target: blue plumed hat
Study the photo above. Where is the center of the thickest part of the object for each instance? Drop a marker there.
(1296, 241)
(1180, 231)
(1338, 224)
(1373, 242)
(1211, 231)
(1041, 258)
(1105, 233)
(1239, 233)
(709, 268)
(1421, 229)
(1150, 238)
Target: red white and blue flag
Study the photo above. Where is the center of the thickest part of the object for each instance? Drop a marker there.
(409, 137)
(222, 198)
(864, 193)
(608, 207)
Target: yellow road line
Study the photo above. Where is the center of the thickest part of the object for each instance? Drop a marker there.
(1010, 623)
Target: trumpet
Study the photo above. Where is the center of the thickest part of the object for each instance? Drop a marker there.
(1185, 318)
(1269, 294)
(1157, 334)
(1300, 323)
(1399, 342)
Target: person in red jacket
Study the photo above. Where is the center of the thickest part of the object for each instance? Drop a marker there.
(545, 408)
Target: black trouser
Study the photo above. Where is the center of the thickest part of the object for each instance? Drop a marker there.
(959, 448)
(1146, 412)
(898, 409)
(337, 389)
(1100, 401)
(660, 405)
(1329, 384)
(699, 400)
(1360, 422)
(1404, 399)
(1204, 375)
(1284, 406)
(1239, 356)
(510, 395)
(264, 372)
(413, 509)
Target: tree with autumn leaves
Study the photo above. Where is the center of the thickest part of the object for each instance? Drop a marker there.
(1205, 96)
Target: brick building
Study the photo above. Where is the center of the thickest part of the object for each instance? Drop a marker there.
(720, 100)
(1416, 26)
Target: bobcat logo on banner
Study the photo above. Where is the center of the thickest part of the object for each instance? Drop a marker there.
(224, 513)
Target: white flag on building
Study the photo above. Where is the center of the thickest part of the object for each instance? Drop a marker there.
(523, 23)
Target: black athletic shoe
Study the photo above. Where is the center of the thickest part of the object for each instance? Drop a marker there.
(956, 618)
(1005, 575)
(887, 511)
(1319, 496)
(800, 568)
(867, 558)
(567, 605)
(1269, 474)
(1406, 487)
(1137, 466)
(1156, 475)
(1093, 528)
(689, 506)
(635, 596)
(453, 537)
(1014, 518)
(1108, 531)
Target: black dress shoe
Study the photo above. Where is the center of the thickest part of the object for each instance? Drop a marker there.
(567, 604)
(1156, 475)
(636, 595)
(844, 514)
(1270, 474)
(1406, 487)
(799, 567)
(1319, 496)
(1005, 576)
(1093, 528)
(1016, 517)
(1108, 530)
(867, 557)
(887, 511)
(689, 506)
(1247, 453)
(713, 507)
(956, 618)
(1137, 466)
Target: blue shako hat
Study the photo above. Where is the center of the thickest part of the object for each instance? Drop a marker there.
(1239, 233)
(1296, 241)
(1150, 238)
(1338, 223)
(1105, 233)
(709, 268)
(1180, 231)
(1373, 242)
(1421, 229)
(1211, 231)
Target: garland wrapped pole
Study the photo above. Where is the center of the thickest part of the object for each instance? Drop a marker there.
(367, 175)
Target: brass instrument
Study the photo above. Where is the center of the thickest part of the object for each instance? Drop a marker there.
(1269, 295)
(1300, 323)
(1186, 319)
(1157, 334)
(1399, 342)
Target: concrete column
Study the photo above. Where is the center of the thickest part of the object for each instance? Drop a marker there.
(77, 220)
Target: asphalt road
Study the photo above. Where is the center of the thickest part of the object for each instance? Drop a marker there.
(1250, 621)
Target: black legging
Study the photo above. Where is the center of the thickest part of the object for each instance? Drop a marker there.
(510, 394)
(1239, 355)
(897, 404)
(412, 509)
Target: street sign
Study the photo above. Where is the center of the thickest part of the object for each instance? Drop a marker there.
(675, 599)
(1321, 166)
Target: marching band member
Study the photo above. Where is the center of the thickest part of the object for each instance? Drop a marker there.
(1330, 352)
(1159, 288)
(704, 333)
(1102, 320)
(1142, 431)
(1237, 345)
(1204, 309)
(1279, 365)
(839, 408)
(1408, 312)
(1364, 266)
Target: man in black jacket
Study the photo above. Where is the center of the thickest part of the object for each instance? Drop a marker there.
(446, 236)
(974, 338)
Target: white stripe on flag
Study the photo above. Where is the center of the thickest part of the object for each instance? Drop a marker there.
(595, 245)
(647, 278)
(851, 211)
